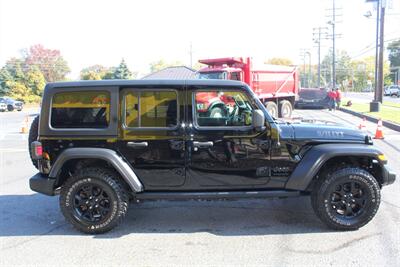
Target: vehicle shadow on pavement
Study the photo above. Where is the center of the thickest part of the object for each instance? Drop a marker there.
(35, 215)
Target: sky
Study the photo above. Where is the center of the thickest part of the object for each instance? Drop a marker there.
(105, 31)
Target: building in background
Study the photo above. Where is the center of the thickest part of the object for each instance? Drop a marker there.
(173, 73)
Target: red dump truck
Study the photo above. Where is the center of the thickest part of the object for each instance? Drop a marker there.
(276, 86)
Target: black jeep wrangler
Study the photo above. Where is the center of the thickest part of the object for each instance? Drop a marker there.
(100, 144)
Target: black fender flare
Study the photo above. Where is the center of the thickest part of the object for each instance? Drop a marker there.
(316, 157)
(111, 156)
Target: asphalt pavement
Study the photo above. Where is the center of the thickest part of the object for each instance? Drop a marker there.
(273, 232)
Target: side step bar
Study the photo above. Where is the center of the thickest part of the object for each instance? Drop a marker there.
(217, 195)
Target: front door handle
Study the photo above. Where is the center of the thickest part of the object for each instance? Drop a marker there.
(203, 144)
(137, 144)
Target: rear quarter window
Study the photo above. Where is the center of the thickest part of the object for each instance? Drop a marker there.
(90, 109)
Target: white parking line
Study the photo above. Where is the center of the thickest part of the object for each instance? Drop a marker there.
(11, 150)
(13, 136)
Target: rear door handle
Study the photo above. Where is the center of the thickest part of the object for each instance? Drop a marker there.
(137, 144)
(203, 144)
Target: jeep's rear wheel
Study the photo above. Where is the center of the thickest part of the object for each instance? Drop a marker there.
(33, 135)
(347, 199)
(94, 201)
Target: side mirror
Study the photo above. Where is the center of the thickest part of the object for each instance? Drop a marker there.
(258, 119)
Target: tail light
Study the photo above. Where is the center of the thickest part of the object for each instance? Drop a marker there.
(36, 150)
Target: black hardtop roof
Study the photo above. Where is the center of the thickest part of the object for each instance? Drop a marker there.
(160, 82)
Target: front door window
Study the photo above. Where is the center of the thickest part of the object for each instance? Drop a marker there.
(222, 108)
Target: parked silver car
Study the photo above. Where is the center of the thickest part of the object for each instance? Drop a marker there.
(392, 90)
(3, 106)
(12, 104)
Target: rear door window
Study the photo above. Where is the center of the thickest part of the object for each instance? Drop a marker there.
(90, 109)
(151, 109)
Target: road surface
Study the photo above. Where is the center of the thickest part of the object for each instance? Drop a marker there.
(274, 232)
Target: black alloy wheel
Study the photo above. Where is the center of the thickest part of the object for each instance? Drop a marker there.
(91, 203)
(94, 200)
(346, 198)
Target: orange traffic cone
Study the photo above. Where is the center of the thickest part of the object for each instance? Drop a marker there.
(24, 128)
(362, 125)
(379, 130)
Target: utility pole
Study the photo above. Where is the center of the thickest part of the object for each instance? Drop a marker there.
(376, 53)
(333, 23)
(374, 106)
(333, 46)
(318, 34)
(381, 48)
(306, 77)
(309, 69)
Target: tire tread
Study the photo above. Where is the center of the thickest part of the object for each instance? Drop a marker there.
(111, 179)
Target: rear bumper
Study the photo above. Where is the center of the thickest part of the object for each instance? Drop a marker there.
(388, 176)
(42, 184)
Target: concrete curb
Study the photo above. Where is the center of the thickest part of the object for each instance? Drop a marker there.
(390, 125)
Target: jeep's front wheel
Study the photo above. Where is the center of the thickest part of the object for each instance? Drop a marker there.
(94, 201)
(347, 199)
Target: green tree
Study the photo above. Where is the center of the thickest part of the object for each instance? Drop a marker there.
(343, 67)
(35, 80)
(19, 91)
(363, 72)
(95, 72)
(162, 64)
(394, 53)
(5, 80)
(50, 62)
(91, 75)
(122, 71)
(279, 61)
(109, 75)
(15, 67)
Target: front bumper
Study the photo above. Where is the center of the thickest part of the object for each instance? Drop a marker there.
(42, 184)
(388, 175)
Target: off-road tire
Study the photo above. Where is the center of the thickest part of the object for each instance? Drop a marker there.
(272, 108)
(33, 135)
(108, 181)
(326, 186)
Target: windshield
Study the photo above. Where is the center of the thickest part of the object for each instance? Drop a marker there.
(221, 75)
